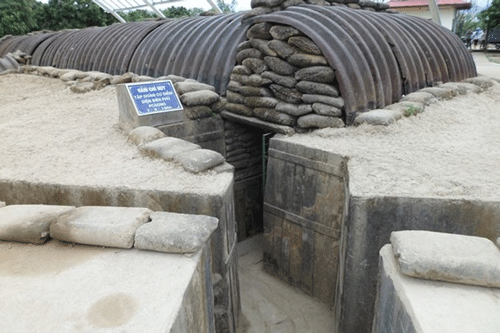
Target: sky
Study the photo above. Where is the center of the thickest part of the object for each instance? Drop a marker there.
(241, 4)
(245, 4)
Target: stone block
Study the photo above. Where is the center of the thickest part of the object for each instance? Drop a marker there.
(144, 134)
(175, 233)
(481, 81)
(321, 74)
(440, 93)
(29, 223)
(319, 121)
(283, 32)
(378, 117)
(316, 88)
(167, 148)
(337, 102)
(185, 87)
(447, 257)
(283, 49)
(285, 81)
(101, 226)
(199, 160)
(420, 97)
(200, 97)
(280, 66)
(305, 45)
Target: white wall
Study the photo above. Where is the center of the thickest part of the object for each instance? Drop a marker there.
(447, 14)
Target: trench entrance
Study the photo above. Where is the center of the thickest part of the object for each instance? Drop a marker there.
(246, 148)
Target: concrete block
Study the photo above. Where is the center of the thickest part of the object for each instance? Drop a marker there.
(144, 134)
(29, 223)
(175, 233)
(167, 148)
(420, 97)
(199, 160)
(378, 117)
(447, 257)
(101, 226)
(410, 305)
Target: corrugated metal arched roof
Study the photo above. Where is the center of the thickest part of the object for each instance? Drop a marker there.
(378, 57)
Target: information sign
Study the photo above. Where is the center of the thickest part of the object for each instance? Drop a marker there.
(154, 97)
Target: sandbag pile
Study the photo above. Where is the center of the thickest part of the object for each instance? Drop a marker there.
(198, 99)
(261, 7)
(283, 78)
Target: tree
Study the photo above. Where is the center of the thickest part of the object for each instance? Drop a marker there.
(227, 8)
(137, 15)
(71, 14)
(490, 17)
(16, 17)
(465, 21)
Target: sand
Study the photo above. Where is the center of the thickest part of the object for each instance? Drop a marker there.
(452, 150)
(49, 134)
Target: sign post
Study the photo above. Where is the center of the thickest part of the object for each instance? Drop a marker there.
(148, 104)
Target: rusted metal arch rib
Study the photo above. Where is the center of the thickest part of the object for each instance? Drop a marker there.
(39, 52)
(220, 65)
(98, 50)
(353, 84)
(11, 44)
(403, 51)
(200, 45)
(380, 49)
(169, 57)
(119, 62)
(440, 68)
(153, 45)
(78, 59)
(56, 53)
(454, 52)
(371, 50)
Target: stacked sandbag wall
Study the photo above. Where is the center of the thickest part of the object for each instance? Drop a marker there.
(260, 7)
(282, 77)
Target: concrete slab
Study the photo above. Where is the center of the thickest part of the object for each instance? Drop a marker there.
(58, 287)
(175, 233)
(447, 257)
(29, 223)
(101, 226)
(412, 305)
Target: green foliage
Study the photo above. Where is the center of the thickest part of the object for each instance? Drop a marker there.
(410, 110)
(176, 12)
(466, 21)
(16, 17)
(73, 14)
(490, 17)
(227, 8)
(137, 15)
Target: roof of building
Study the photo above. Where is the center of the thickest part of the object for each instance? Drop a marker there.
(458, 4)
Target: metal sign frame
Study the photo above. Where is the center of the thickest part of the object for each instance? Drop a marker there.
(115, 6)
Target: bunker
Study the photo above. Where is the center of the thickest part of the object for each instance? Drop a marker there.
(285, 72)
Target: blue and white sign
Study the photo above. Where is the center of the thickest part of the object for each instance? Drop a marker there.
(154, 97)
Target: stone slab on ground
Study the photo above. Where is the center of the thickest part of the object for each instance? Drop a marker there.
(101, 226)
(29, 223)
(59, 287)
(412, 305)
(447, 257)
(175, 233)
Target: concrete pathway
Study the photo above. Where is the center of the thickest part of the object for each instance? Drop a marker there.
(271, 306)
(485, 67)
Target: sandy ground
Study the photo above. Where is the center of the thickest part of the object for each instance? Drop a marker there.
(271, 306)
(452, 150)
(49, 134)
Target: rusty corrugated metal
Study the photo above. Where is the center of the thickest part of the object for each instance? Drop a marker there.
(378, 57)
(202, 48)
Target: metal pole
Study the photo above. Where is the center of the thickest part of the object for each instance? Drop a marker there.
(154, 8)
(109, 10)
(436, 17)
